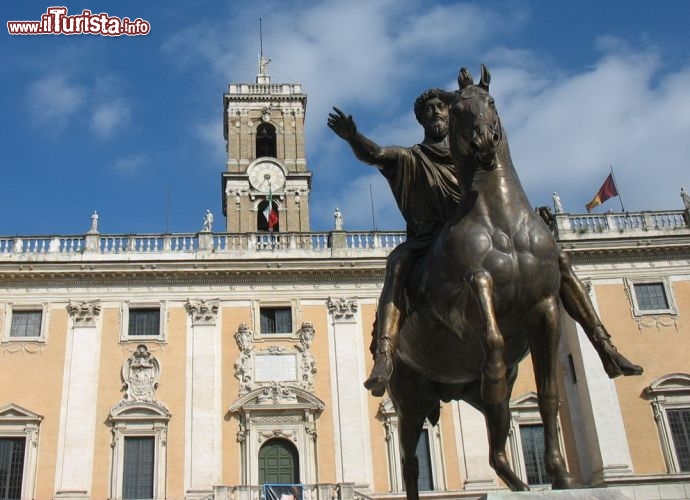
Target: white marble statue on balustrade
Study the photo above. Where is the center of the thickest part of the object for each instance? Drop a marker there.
(208, 222)
(685, 197)
(94, 223)
(338, 219)
(557, 205)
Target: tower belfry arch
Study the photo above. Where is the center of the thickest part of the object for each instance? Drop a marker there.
(263, 126)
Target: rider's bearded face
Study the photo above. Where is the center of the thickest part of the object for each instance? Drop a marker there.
(434, 118)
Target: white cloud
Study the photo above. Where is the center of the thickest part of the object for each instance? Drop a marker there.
(53, 99)
(109, 116)
(131, 164)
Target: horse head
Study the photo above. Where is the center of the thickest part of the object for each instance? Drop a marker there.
(475, 127)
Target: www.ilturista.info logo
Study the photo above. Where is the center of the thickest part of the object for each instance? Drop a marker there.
(56, 22)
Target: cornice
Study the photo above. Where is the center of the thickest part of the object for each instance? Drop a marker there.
(641, 251)
(176, 273)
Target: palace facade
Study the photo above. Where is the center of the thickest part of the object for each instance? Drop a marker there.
(200, 366)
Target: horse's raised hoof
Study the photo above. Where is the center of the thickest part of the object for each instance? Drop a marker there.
(375, 385)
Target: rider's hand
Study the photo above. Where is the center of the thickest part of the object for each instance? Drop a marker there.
(341, 124)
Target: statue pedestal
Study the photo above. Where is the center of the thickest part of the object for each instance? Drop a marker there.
(579, 494)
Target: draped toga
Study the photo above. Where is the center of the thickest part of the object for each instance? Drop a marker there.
(426, 190)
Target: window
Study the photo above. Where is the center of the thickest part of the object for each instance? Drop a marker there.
(425, 480)
(18, 451)
(429, 453)
(24, 323)
(139, 460)
(11, 467)
(532, 437)
(143, 321)
(670, 399)
(651, 296)
(679, 422)
(138, 467)
(266, 140)
(276, 320)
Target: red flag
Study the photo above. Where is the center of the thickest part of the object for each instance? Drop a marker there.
(606, 191)
(270, 213)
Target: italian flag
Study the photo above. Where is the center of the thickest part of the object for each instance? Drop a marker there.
(606, 191)
(270, 213)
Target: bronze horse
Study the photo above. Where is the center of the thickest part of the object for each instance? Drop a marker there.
(488, 295)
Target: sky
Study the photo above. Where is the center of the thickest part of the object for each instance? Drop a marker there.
(131, 126)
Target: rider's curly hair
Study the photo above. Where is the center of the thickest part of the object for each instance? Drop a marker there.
(423, 98)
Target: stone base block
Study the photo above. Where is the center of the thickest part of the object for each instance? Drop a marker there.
(579, 494)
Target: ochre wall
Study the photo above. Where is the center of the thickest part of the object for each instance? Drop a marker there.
(660, 349)
(34, 382)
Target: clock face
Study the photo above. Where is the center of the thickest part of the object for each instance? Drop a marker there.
(265, 176)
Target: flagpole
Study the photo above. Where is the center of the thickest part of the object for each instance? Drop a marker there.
(371, 198)
(620, 198)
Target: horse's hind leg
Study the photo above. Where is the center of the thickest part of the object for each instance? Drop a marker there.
(414, 397)
(544, 338)
(494, 389)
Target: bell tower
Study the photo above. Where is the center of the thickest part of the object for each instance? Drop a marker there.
(266, 184)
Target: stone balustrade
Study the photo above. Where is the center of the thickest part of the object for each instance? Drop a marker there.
(199, 245)
(621, 225)
(341, 244)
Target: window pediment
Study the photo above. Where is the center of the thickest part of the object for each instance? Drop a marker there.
(278, 397)
(14, 413)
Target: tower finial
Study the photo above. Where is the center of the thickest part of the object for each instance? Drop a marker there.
(262, 77)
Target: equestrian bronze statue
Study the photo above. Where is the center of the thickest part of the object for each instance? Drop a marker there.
(488, 295)
(490, 283)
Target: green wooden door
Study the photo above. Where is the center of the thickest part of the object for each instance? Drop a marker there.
(278, 463)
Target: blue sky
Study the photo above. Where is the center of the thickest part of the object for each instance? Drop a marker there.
(131, 126)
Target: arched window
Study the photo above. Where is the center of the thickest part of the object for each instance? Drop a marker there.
(266, 140)
(278, 462)
(267, 219)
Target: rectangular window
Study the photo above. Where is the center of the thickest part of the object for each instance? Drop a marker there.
(651, 296)
(144, 321)
(26, 323)
(276, 320)
(679, 422)
(11, 467)
(425, 480)
(532, 437)
(138, 467)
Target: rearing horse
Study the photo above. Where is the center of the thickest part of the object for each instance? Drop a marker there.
(488, 295)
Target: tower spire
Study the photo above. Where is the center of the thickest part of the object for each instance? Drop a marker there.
(262, 77)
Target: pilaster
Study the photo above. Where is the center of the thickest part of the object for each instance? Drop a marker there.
(350, 406)
(605, 442)
(74, 467)
(203, 458)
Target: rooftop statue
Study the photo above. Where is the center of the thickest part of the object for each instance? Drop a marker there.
(464, 332)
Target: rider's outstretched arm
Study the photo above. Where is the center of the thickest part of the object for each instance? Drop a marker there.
(364, 148)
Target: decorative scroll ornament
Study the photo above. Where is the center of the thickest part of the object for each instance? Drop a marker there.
(276, 393)
(84, 314)
(246, 365)
(306, 334)
(140, 373)
(243, 368)
(342, 308)
(203, 312)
